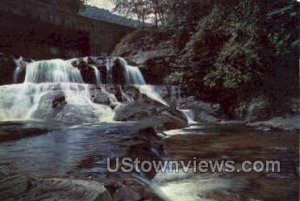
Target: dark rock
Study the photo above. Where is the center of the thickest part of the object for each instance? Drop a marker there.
(54, 100)
(53, 106)
(156, 69)
(87, 72)
(7, 68)
(278, 123)
(161, 116)
(24, 188)
(59, 102)
(126, 193)
(256, 109)
(203, 111)
(119, 72)
(100, 97)
(14, 131)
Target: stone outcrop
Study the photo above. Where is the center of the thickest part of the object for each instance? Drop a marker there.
(7, 67)
(162, 117)
(291, 123)
(203, 111)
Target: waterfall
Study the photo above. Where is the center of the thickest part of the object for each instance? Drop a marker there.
(150, 91)
(56, 70)
(43, 79)
(19, 68)
(189, 115)
(121, 73)
(46, 79)
(135, 76)
(97, 75)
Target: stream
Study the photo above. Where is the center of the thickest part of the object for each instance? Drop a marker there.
(60, 137)
(80, 152)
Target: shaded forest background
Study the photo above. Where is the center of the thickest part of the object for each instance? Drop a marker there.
(225, 51)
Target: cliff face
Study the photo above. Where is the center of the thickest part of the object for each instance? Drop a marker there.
(36, 30)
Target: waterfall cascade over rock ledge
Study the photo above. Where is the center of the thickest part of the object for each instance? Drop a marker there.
(82, 90)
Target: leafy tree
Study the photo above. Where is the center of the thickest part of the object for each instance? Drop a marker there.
(143, 10)
(133, 8)
(158, 10)
(238, 48)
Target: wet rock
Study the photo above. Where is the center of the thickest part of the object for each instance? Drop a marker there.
(122, 192)
(258, 108)
(59, 101)
(7, 68)
(53, 100)
(23, 188)
(53, 106)
(278, 123)
(160, 115)
(100, 97)
(118, 72)
(203, 111)
(14, 131)
(75, 114)
(156, 69)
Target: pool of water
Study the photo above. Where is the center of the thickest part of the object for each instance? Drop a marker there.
(44, 150)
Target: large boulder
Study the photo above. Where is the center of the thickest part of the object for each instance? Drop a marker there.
(144, 103)
(161, 116)
(119, 72)
(258, 108)
(203, 111)
(54, 106)
(101, 96)
(291, 123)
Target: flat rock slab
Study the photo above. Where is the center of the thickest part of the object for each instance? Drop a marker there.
(24, 188)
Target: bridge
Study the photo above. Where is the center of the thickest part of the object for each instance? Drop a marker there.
(38, 30)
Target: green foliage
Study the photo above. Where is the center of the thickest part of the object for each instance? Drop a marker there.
(175, 78)
(143, 10)
(238, 49)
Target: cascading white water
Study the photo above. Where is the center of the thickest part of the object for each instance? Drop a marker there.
(19, 68)
(21, 101)
(97, 75)
(135, 76)
(189, 115)
(56, 70)
(150, 91)
(45, 78)
(132, 74)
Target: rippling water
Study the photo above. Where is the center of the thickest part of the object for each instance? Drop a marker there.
(36, 149)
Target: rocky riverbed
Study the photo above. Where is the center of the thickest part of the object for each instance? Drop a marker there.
(69, 163)
(58, 131)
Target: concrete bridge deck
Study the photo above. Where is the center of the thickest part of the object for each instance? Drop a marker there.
(38, 30)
